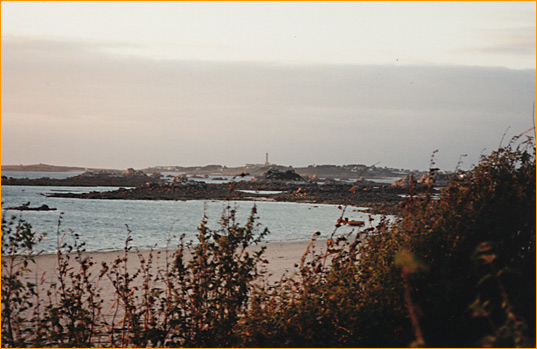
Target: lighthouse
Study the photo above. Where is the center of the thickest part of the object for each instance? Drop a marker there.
(266, 159)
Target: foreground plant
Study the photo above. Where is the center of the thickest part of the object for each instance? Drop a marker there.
(19, 297)
(73, 315)
(213, 286)
(371, 293)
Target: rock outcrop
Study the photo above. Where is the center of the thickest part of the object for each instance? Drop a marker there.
(405, 182)
(275, 174)
(26, 207)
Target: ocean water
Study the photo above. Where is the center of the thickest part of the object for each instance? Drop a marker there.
(102, 224)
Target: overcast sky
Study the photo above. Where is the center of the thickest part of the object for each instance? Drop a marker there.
(139, 84)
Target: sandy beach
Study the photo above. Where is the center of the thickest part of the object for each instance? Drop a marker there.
(281, 258)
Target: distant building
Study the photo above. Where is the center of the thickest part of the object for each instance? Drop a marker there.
(266, 163)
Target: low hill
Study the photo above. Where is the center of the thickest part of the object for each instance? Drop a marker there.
(44, 168)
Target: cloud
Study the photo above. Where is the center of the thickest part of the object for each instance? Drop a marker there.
(508, 41)
(78, 103)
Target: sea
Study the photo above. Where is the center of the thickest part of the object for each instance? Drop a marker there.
(104, 225)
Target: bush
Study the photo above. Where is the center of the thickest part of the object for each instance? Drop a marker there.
(492, 205)
(19, 297)
(196, 300)
(458, 270)
(210, 292)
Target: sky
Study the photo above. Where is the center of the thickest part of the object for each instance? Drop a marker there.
(140, 84)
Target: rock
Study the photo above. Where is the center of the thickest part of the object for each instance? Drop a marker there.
(289, 191)
(405, 182)
(290, 175)
(132, 172)
(26, 207)
(427, 179)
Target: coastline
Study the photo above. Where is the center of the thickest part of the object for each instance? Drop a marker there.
(379, 198)
(281, 256)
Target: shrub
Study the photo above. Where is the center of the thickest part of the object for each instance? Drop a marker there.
(209, 292)
(454, 271)
(197, 299)
(19, 297)
(493, 204)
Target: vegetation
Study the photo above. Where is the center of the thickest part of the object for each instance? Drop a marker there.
(454, 270)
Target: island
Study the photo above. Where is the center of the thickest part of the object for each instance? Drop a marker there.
(276, 183)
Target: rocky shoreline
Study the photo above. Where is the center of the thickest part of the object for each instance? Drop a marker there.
(274, 185)
(383, 198)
